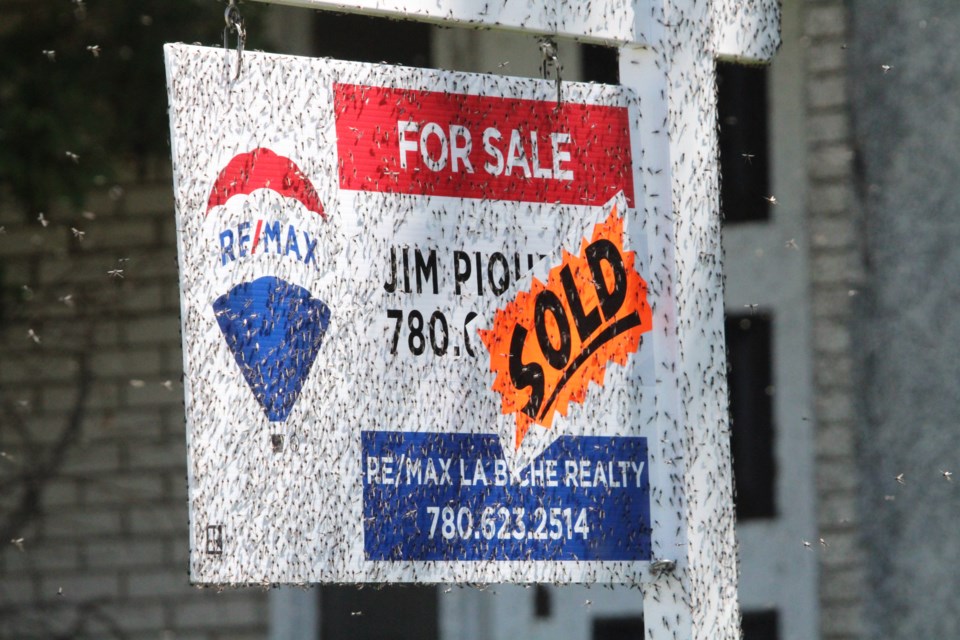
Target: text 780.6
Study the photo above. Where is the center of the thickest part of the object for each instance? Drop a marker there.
(423, 334)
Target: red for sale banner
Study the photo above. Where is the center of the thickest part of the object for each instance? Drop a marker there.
(468, 146)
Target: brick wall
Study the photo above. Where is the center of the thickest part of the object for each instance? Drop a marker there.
(104, 540)
(835, 278)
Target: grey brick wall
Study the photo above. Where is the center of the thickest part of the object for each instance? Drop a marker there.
(104, 548)
(835, 280)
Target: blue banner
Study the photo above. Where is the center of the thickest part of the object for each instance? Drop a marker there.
(446, 496)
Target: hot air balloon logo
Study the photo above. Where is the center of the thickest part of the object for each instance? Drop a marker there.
(273, 328)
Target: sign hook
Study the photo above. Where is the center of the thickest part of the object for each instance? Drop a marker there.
(234, 22)
(550, 59)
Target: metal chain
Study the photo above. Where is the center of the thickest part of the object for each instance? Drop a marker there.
(551, 59)
(234, 22)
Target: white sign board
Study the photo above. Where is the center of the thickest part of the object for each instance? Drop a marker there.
(424, 325)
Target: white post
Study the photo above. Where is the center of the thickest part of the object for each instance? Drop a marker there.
(700, 601)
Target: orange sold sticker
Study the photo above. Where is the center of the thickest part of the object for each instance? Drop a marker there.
(548, 344)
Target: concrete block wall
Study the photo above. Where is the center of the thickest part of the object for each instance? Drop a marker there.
(836, 276)
(90, 363)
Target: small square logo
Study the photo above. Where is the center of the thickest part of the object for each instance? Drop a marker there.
(214, 539)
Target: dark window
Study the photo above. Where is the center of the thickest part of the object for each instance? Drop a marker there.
(744, 153)
(618, 628)
(600, 64)
(749, 353)
(756, 625)
(367, 39)
(395, 612)
(761, 625)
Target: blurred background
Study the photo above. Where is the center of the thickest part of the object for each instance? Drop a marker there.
(841, 229)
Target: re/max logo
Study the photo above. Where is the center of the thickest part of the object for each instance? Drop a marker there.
(267, 237)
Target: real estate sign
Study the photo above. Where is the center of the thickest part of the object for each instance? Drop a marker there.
(424, 324)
